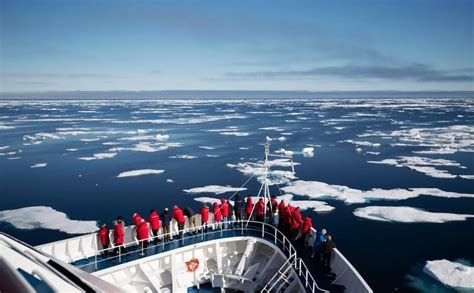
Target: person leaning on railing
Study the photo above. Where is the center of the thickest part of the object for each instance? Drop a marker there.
(204, 216)
(192, 220)
(217, 215)
(104, 239)
(118, 238)
(166, 223)
(238, 208)
(154, 220)
(179, 217)
(142, 235)
(248, 208)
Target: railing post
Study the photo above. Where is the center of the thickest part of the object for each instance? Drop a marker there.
(301, 260)
(242, 228)
(314, 286)
(95, 260)
(306, 277)
(120, 253)
(263, 230)
(275, 235)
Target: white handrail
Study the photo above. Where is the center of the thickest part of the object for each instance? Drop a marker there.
(277, 236)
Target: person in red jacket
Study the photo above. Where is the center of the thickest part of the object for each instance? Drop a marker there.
(118, 238)
(142, 235)
(281, 213)
(217, 215)
(249, 207)
(295, 225)
(305, 228)
(260, 209)
(104, 239)
(287, 219)
(224, 211)
(204, 216)
(179, 217)
(154, 220)
(136, 219)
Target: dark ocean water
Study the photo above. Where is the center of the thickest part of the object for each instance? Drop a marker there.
(383, 252)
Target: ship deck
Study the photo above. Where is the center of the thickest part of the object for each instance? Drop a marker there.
(323, 276)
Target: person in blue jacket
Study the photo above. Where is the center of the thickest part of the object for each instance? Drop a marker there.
(320, 239)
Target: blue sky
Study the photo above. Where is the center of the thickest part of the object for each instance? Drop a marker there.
(237, 45)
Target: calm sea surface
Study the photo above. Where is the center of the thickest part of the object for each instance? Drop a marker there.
(193, 141)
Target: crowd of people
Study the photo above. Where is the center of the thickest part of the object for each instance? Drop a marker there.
(285, 217)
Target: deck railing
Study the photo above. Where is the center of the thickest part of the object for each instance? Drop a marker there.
(216, 230)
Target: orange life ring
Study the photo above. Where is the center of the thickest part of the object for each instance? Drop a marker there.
(192, 265)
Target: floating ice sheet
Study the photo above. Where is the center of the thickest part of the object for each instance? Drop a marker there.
(139, 173)
(316, 189)
(217, 189)
(452, 274)
(39, 165)
(406, 215)
(46, 218)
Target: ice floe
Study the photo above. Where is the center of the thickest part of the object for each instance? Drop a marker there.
(46, 218)
(184, 157)
(139, 173)
(362, 143)
(217, 189)
(71, 150)
(4, 147)
(316, 189)
(99, 156)
(438, 140)
(234, 133)
(206, 147)
(39, 165)
(308, 152)
(257, 169)
(423, 165)
(273, 128)
(452, 274)
(405, 214)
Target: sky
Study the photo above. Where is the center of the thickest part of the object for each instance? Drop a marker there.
(317, 45)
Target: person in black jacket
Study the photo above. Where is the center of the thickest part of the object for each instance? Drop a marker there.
(192, 220)
(238, 208)
(165, 223)
(231, 214)
(326, 250)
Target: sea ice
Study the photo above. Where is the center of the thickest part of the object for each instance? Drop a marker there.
(185, 157)
(308, 152)
(452, 274)
(316, 189)
(406, 215)
(217, 189)
(362, 143)
(46, 218)
(4, 127)
(139, 172)
(39, 165)
(99, 156)
(422, 165)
